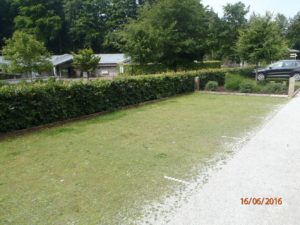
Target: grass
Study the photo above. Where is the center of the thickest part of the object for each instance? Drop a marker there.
(102, 170)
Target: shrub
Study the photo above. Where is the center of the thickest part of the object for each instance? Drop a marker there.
(32, 104)
(233, 81)
(137, 69)
(2, 83)
(211, 86)
(274, 88)
(248, 86)
(24, 106)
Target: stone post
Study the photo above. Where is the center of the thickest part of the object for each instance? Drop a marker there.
(197, 84)
(291, 87)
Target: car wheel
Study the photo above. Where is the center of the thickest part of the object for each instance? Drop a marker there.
(261, 77)
(297, 76)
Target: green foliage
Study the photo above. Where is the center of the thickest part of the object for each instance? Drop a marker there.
(282, 23)
(211, 86)
(293, 34)
(171, 32)
(40, 18)
(27, 105)
(138, 69)
(86, 21)
(237, 82)
(248, 86)
(25, 54)
(234, 19)
(261, 40)
(85, 60)
(233, 81)
(6, 20)
(24, 106)
(274, 88)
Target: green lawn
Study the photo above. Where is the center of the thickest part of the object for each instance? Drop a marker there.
(102, 170)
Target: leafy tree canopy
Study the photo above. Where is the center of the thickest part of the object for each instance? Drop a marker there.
(26, 54)
(283, 24)
(171, 32)
(293, 34)
(85, 60)
(261, 40)
(39, 17)
(234, 19)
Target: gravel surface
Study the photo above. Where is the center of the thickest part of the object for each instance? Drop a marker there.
(267, 166)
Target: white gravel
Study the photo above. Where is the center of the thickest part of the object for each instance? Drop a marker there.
(267, 166)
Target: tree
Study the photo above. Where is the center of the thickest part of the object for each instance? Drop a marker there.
(86, 21)
(261, 40)
(25, 54)
(40, 18)
(214, 40)
(171, 32)
(7, 14)
(120, 12)
(85, 61)
(233, 20)
(283, 24)
(293, 33)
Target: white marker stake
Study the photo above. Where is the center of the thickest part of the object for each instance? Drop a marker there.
(177, 180)
(235, 138)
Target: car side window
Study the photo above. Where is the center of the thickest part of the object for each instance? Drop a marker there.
(288, 64)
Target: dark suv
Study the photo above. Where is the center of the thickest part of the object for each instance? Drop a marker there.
(280, 69)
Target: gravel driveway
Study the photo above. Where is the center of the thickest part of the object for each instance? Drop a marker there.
(267, 166)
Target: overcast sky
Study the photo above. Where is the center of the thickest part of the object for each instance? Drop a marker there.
(286, 7)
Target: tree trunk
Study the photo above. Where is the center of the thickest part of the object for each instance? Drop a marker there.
(256, 71)
(175, 67)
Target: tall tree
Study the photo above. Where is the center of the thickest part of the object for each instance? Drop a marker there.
(171, 32)
(261, 40)
(234, 19)
(7, 14)
(40, 18)
(283, 23)
(120, 11)
(214, 41)
(293, 34)
(25, 54)
(86, 21)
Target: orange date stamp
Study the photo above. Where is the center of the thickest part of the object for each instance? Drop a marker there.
(261, 201)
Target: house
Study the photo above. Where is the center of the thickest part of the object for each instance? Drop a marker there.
(62, 65)
(108, 65)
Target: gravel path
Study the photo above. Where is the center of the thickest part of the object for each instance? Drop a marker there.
(268, 166)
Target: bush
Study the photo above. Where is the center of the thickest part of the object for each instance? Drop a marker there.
(32, 104)
(137, 69)
(233, 81)
(274, 88)
(248, 86)
(2, 83)
(211, 86)
(25, 106)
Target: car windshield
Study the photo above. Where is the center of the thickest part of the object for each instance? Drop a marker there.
(276, 65)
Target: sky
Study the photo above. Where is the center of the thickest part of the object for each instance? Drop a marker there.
(287, 7)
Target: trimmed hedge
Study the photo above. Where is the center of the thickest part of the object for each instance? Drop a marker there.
(28, 105)
(25, 106)
(136, 69)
